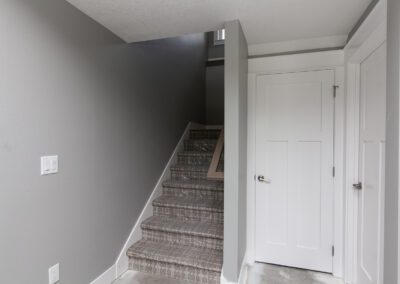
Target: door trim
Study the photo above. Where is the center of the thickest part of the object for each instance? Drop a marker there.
(329, 60)
(356, 55)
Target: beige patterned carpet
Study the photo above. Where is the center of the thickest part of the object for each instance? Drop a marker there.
(184, 237)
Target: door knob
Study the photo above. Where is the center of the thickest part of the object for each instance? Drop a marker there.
(261, 178)
(357, 186)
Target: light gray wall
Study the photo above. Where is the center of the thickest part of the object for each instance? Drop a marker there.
(235, 149)
(391, 273)
(112, 112)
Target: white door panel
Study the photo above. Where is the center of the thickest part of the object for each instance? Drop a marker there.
(294, 148)
(371, 168)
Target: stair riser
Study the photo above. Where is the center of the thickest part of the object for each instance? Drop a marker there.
(183, 239)
(175, 271)
(205, 134)
(185, 174)
(198, 193)
(195, 160)
(188, 214)
(200, 146)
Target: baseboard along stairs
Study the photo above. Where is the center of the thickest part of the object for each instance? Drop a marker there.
(184, 237)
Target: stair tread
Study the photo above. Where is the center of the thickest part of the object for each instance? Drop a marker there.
(195, 153)
(194, 184)
(204, 204)
(193, 168)
(202, 258)
(190, 227)
(212, 140)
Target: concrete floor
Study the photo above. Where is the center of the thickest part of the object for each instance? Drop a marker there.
(274, 274)
(257, 274)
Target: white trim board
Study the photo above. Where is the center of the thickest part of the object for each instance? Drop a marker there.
(370, 36)
(136, 233)
(106, 277)
(296, 62)
(296, 45)
(371, 23)
(121, 264)
(242, 275)
(328, 60)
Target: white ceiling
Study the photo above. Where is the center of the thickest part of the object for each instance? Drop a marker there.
(263, 21)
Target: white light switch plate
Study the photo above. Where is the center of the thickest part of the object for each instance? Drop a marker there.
(49, 165)
(54, 274)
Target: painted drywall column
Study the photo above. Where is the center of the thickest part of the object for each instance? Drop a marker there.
(391, 265)
(235, 149)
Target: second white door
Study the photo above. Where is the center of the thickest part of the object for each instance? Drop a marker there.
(294, 163)
(371, 168)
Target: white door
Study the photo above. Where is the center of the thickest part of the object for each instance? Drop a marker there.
(294, 163)
(371, 168)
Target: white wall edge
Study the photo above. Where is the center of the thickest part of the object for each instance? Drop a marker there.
(296, 62)
(106, 277)
(297, 45)
(371, 23)
(242, 276)
(368, 38)
(121, 264)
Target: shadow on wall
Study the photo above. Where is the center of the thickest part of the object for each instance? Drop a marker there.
(215, 82)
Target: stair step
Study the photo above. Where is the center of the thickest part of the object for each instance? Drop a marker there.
(195, 257)
(196, 228)
(194, 184)
(189, 203)
(195, 158)
(184, 237)
(194, 188)
(186, 208)
(183, 171)
(201, 145)
(204, 234)
(204, 133)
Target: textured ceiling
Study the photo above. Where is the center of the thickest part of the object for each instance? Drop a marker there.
(264, 21)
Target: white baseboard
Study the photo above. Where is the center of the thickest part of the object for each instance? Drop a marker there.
(242, 275)
(121, 265)
(107, 277)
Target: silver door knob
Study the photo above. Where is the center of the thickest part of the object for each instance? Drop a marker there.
(261, 178)
(357, 186)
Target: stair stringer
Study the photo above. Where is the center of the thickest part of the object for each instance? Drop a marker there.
(122, 262)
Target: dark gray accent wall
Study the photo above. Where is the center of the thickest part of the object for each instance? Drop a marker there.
(236, 74)
(214, 51)
(391, 255)
(215, 95)
(215, 83)
(112, 112)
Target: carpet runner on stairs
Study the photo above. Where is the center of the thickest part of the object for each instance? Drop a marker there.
(184, 237)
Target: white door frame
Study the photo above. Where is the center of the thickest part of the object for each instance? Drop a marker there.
(369, 37)
(328, 60)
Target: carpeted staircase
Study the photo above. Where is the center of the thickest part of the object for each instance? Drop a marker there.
(184, 238)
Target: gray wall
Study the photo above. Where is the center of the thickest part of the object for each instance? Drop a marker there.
(112, 112)
(215, 94)
(392, 146)
(235, 149)
(215, 84)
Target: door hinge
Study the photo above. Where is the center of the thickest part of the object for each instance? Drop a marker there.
(333, 250)
(333, 171)
(335, 87)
